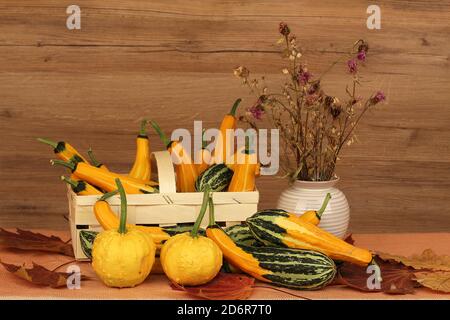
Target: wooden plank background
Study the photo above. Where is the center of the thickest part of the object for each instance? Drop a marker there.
(172, 61)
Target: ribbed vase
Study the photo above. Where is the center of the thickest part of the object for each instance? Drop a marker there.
(309, 195)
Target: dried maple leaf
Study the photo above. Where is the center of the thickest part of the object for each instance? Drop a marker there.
(38, 275)
(427, 260)
(224, 286)
(27, 240)
(438, 281)
(349, 239)
(396, 278)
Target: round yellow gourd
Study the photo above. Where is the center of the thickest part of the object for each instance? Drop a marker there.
(123, 258)
(190, 259)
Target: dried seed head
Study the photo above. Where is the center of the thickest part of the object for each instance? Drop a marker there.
(241, 72)
(284, 29)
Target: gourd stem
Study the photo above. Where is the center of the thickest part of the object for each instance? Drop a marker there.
(49, 142)
(73, 183)
(235, 105)
(204, 142)
(324, 205)
(93, 159)
(63, 163)
(212, 220)
(143, 130)
(161, 134)
(206, 195)
(123, 207)
(108, 195)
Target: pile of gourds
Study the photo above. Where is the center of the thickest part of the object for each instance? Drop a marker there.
(273, 246)
(213, 170)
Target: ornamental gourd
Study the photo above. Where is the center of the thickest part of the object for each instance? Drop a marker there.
(287, 230)
(298, 269)
(190, 259)
(142, 168)
(123, 258)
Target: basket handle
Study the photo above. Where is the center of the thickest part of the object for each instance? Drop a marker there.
(166, 173)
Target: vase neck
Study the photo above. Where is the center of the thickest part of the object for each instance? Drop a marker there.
(315, 184)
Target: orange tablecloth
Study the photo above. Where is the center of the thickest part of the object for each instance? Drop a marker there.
(157, 287)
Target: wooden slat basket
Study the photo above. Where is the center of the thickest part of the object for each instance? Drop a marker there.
(165, 208)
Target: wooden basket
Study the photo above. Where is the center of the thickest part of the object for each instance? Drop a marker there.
(160, 209)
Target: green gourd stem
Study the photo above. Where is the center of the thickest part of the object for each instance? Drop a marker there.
(204, 142)
(161, 134)
(194, 231)
(212, 220)
(93, 159)
(324, 205)
(235, 105)
(73, 183)
(49, 142)
(123, 207)
(63, 163)
(143, 130)
(108, 195)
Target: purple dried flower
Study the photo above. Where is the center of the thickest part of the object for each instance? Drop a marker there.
(361, 56)
(303, 76)
(352, 66)
(256, 111)
(378, 97)
(284, 29)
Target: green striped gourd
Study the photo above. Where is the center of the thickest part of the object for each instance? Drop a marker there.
(241, 234)
(293, 268)
(218, 177)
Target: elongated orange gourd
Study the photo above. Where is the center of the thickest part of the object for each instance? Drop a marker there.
(314, 216)
(81, 188)
(185, 169)
(109, 220)
(245, 173)
(95, 162)
(203, 157)
(64, 151)
(223, 144)
(142, 168)
(105, 180)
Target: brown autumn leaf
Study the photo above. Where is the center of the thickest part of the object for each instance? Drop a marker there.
(27, 240)
(396, 278)
(438, 280)
(349, 239)
(38, 275)
(427, 260)
(225, 286)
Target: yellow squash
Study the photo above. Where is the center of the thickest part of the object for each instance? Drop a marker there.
(142, 168)
(64, 151)
(191, 259)
(186, 172)
(123, 258)
(81, 188)
(223, 144)
(105, 179)
(109, 221)
(245, 173)
(313, 216)
(203, 157)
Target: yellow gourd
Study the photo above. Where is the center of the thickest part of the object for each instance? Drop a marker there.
(190, 259)
(123, 258)
(142, 168)
(314, 216)
(245, 172)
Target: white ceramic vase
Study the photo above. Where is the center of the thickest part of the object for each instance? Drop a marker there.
(309, 195)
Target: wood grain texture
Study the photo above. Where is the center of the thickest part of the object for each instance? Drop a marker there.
(172, 61)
